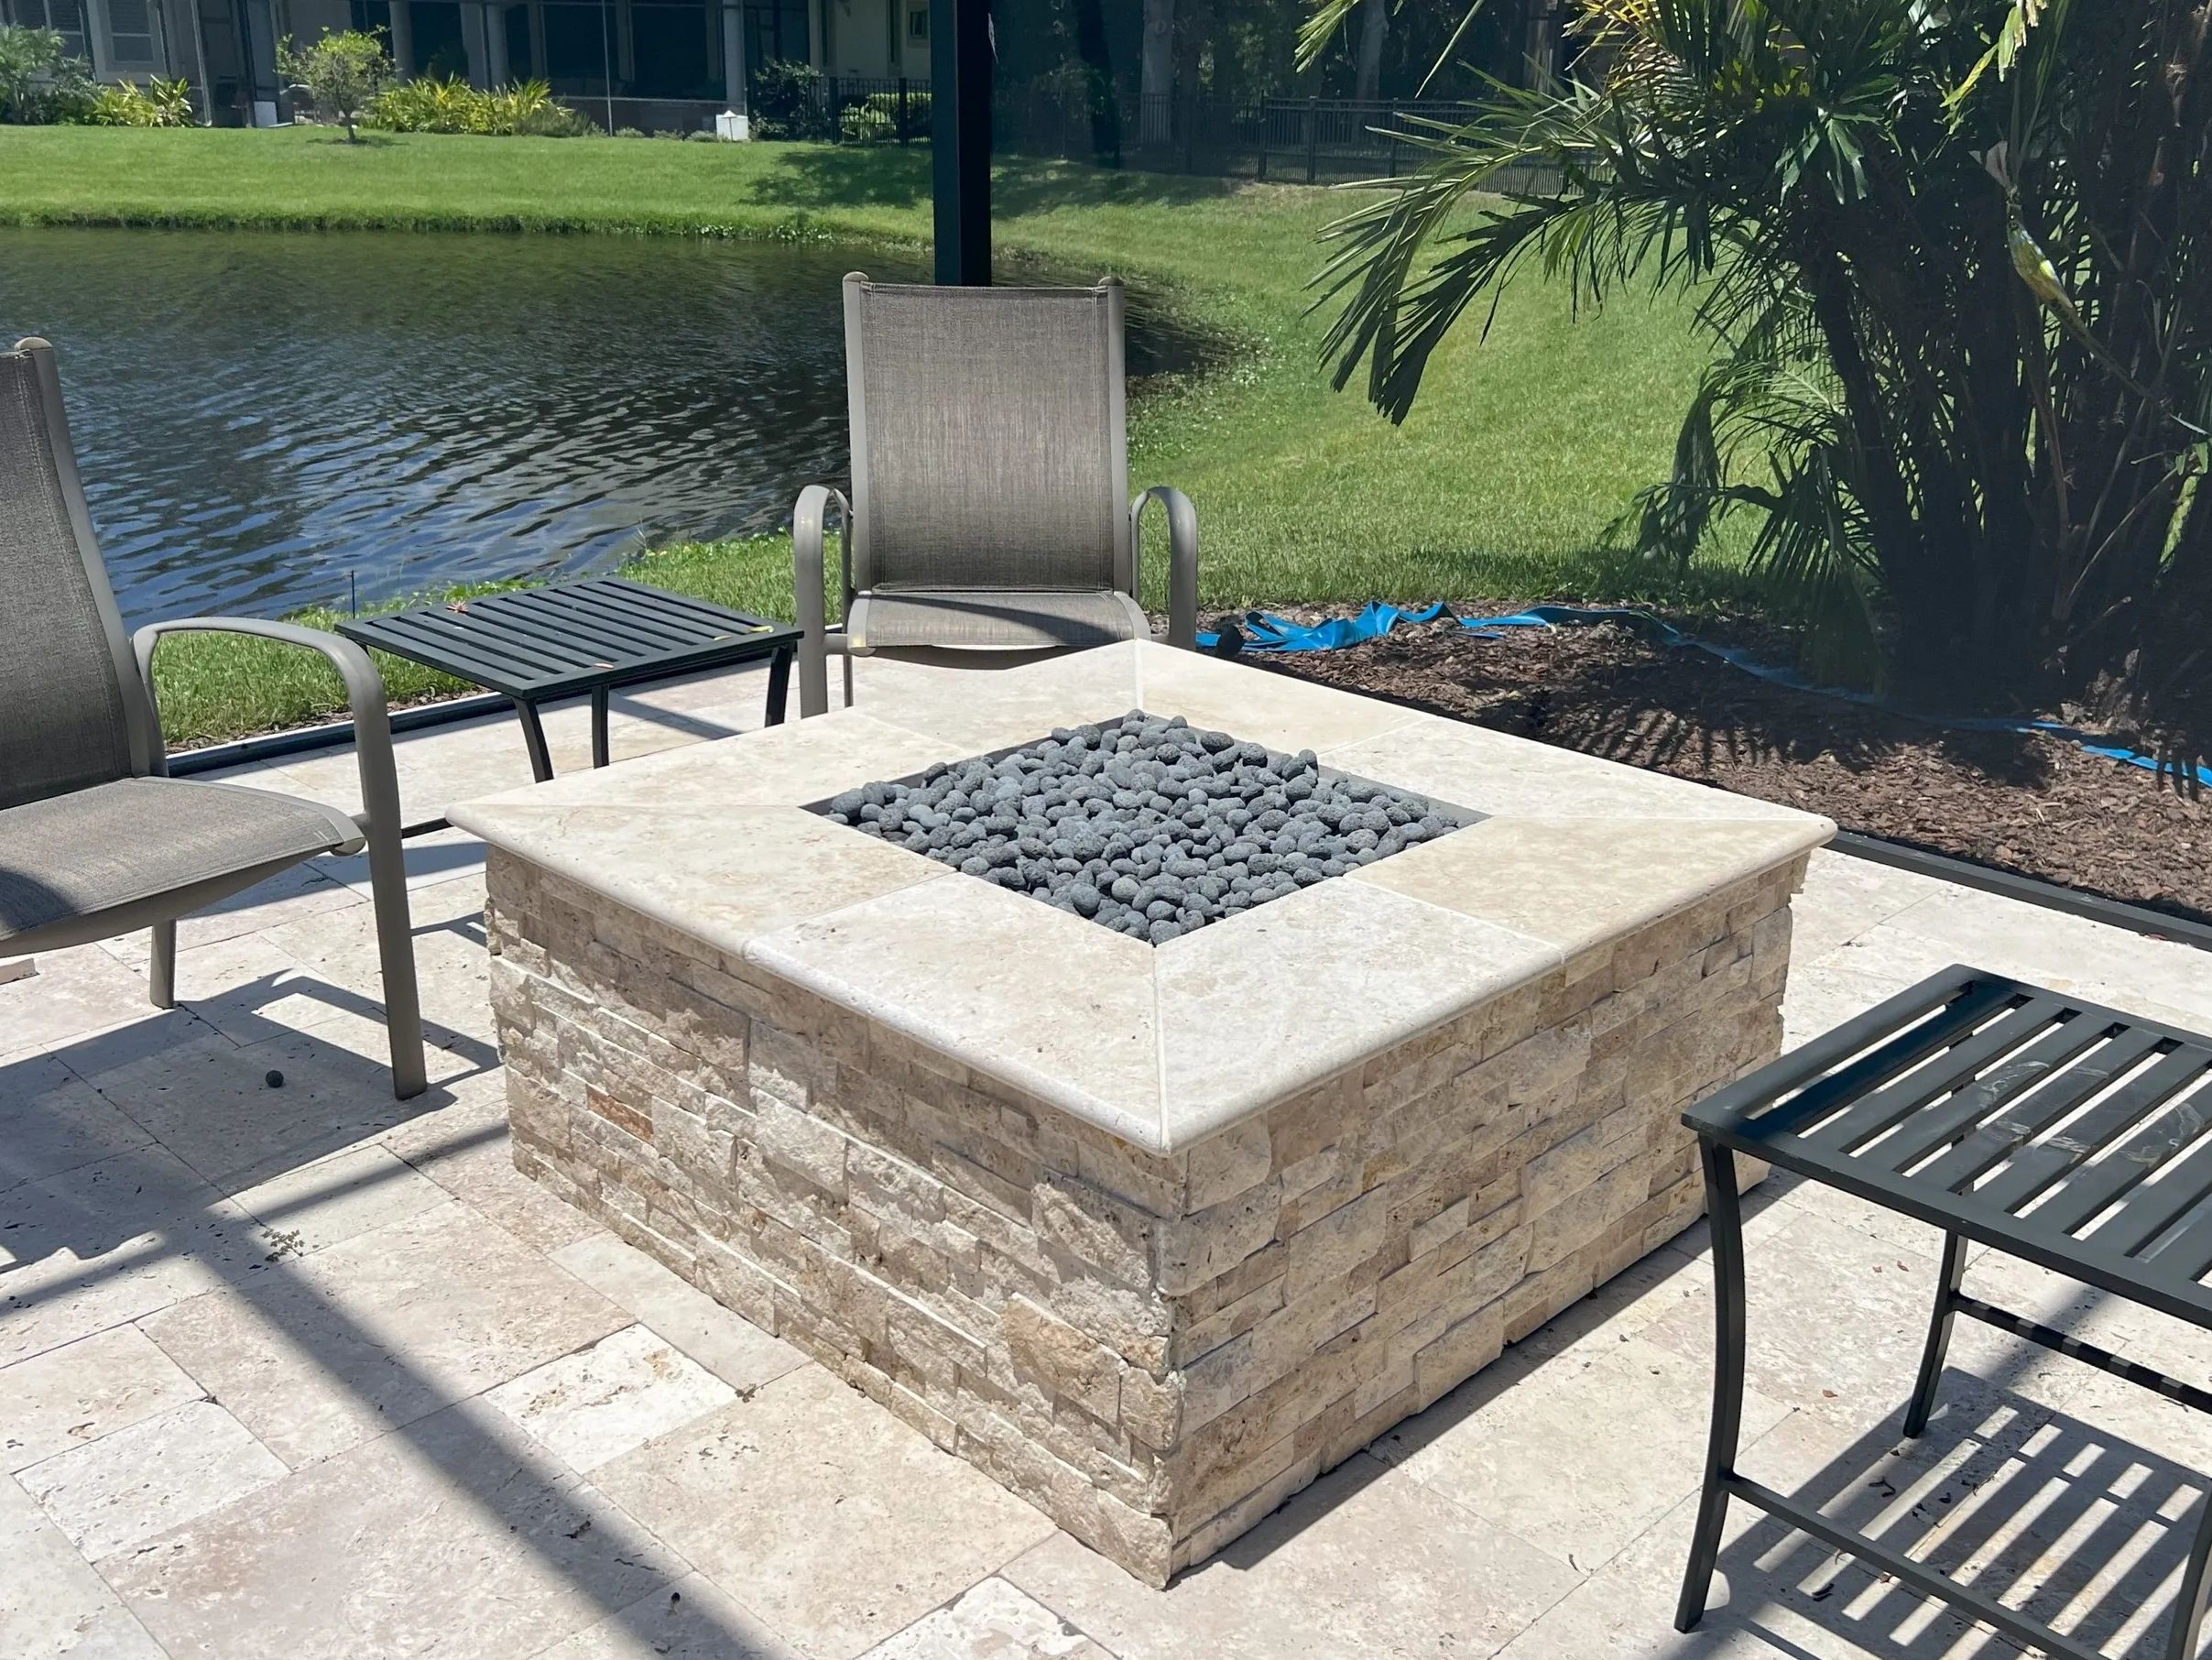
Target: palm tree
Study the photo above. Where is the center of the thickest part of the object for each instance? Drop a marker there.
(1953, 259)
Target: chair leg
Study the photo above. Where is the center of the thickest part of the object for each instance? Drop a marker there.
(1939, 1335)
(1724, 1208)
(161, 967)
(848, 679)
(395, 948)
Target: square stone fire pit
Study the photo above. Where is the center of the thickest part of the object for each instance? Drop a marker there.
(1152, 1233)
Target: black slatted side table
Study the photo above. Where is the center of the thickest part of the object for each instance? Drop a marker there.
(2072, 1135)
(535, 645)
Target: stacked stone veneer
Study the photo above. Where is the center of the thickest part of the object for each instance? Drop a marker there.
(1155, 1350)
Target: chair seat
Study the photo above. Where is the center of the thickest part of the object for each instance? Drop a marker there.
(96, 850)
(1020, 619)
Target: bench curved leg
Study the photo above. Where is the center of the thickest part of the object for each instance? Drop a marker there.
(1939, 1335)
(1723, 1208)
(2189, 1606)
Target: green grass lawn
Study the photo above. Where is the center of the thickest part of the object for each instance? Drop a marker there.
(1529, 441)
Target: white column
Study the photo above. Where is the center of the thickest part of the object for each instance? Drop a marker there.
(403, 36)
(472, 36)
(814, 32)
(734, 66)
(494, 45)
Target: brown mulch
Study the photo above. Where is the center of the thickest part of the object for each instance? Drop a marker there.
(2019, 802)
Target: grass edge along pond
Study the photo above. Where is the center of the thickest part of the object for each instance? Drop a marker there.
(1530, 440)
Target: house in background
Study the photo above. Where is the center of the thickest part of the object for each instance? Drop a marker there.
(652, 63)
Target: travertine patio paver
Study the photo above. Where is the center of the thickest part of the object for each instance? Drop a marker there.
(52, 1600)
(457, 1534)
(1355, 1567)
(380, 1329)
(82, 1391)
(995, 1621)
(840, 1523)
(734, 1349)
(611, 1398)
(109, 1495)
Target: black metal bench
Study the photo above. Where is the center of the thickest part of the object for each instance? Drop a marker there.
(2072, 1135)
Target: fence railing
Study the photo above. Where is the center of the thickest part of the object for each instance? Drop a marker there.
(1297, 139)
(1288, 140)
(846, 109)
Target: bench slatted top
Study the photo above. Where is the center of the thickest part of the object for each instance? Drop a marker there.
(535, 643)
(2057, 1128)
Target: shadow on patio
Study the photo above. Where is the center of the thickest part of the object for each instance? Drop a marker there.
(256, 1219)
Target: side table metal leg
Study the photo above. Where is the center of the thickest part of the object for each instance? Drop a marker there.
(599, 749)
(779, 686)
(533, 738)
(1724, 1208)
(2189, 1606)
(1939, 1335)
(161, 966)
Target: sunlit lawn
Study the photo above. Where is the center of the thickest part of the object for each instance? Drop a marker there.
(1529, 441)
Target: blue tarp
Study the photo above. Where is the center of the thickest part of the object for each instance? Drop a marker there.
(1263, 632)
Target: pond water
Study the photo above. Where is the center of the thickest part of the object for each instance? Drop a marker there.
(268, 420)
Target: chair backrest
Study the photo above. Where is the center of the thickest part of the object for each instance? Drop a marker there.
(71, 712)
(989, 441)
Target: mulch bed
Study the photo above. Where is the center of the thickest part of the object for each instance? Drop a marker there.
(2018, 802)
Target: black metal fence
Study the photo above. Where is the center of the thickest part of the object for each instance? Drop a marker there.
(1288, 140)
(1297, 140)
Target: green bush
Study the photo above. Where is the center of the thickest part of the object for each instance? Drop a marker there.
(342, 75)
(428, 104)
(158, 104)
(875, 119)
(555, 121)
(425, 104)
(40, 83)
(787, 102)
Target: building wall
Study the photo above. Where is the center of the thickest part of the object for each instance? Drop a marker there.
(875, 37)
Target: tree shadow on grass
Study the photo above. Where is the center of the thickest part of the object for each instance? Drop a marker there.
(847, 176)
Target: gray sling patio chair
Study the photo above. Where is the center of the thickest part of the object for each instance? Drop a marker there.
(990, 511)
(95, 839)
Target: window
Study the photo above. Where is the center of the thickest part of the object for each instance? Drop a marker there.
(65, 17)
(918, 26)
(134, 37)
(670, 38)
(776, 33)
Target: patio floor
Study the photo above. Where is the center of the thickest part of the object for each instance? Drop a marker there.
(297, 1371)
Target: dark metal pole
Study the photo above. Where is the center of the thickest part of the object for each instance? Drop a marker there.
(960, 138)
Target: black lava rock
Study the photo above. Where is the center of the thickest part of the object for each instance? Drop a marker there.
(1150, 827)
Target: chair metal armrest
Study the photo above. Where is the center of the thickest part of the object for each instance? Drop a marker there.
(810, 583)
(379, 818)
(365, 693)
(1183, 558)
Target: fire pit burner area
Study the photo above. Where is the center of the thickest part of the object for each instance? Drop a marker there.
(1148, 825)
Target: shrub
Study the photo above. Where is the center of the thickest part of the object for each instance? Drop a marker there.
(876, 118)
(788, 102)
(1953, 261)
(39, 81)
(342, 75)
(425, 104)
(158, 104)
(428, 104)
(555, 121)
